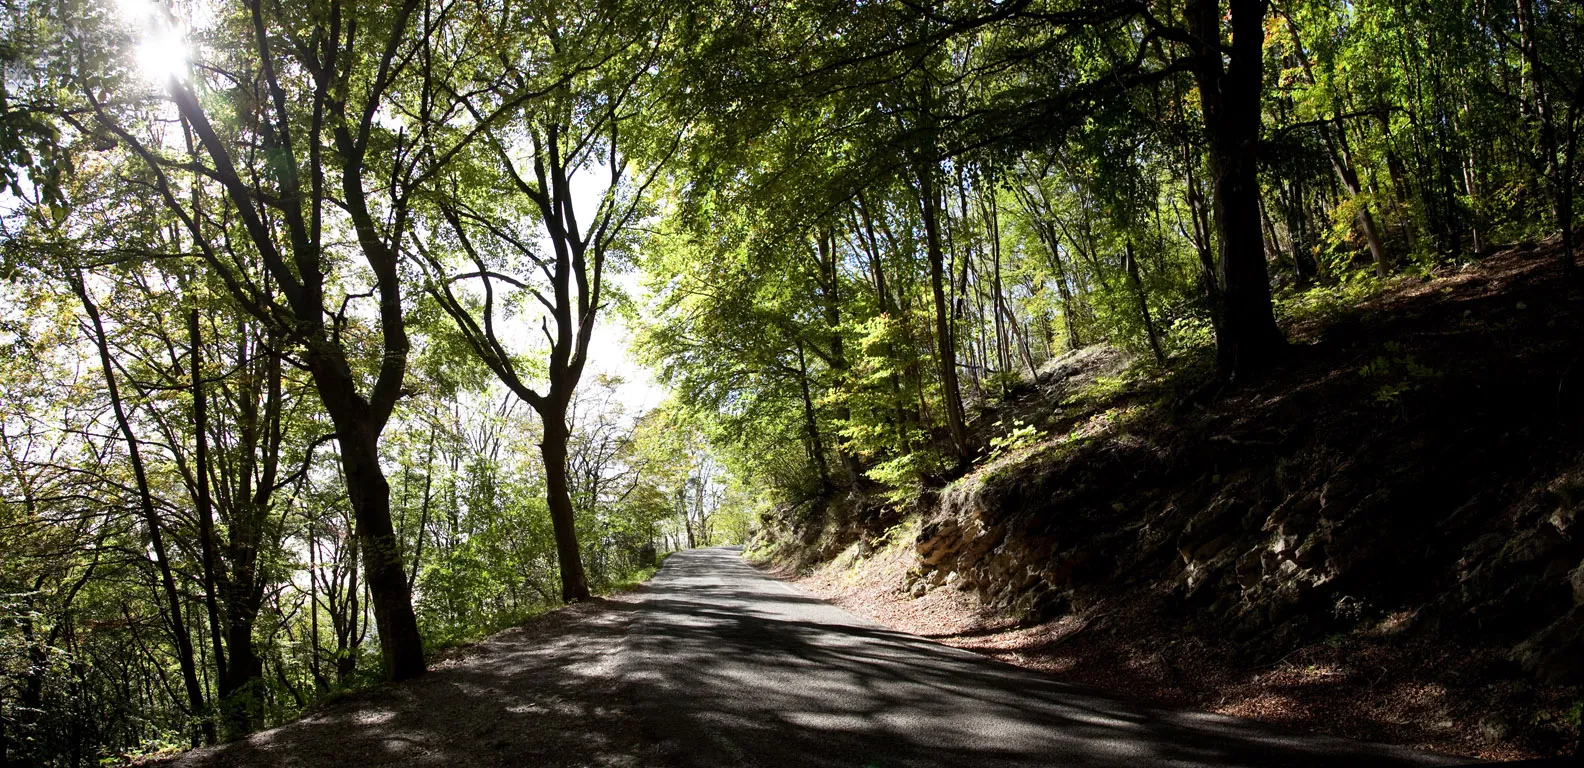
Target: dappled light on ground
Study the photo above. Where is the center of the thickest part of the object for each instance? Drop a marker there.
(733, 668)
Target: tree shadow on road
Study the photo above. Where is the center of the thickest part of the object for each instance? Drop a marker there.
(741, 672)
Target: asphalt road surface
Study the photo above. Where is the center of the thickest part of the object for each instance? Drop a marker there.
(728, 667)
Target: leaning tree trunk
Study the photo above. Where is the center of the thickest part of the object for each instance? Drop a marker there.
(1143, 304)
(1247, 337)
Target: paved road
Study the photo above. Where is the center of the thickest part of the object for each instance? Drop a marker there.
(731, 668)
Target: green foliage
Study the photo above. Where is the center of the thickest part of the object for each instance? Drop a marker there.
(1396, 373)
(905, 474)
(1013, 438)
(1323, 305)
(818, 172)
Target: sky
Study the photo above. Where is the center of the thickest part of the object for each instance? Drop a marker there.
(610, 353)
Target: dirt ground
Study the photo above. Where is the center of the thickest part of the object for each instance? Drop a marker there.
(1428, 696)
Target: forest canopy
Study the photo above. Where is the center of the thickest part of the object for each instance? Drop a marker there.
(304, 301)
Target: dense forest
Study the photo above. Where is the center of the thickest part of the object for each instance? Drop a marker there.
(304, 301)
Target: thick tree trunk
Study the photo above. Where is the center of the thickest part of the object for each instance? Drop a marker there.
(1247, 337)
(563, 518)
(244, 703)
(400, 644)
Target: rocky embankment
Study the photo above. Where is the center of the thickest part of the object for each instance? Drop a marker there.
(1413, 476)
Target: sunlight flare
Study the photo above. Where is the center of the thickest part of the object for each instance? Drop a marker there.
(162, 50)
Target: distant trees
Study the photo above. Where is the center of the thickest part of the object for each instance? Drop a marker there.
(568, 112)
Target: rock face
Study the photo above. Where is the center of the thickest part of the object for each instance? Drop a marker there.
(1044, 533)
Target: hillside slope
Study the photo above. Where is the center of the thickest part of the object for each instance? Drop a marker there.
(1379, 539)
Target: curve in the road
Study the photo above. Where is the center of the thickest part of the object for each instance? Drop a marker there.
(730, 667)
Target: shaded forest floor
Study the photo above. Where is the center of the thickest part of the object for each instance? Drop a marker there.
(547, 693)
(1445, 409)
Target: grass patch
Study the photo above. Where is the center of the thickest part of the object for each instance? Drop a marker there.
(634, 581)
(438, 642)
(640, 577)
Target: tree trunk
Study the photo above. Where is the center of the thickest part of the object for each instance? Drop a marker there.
(1003, 337)
(1342, 161)
(700, 523)
(313, 610)
(687, 520)
(423, 513)
(945, 345)
(244, 705)
(1476, 208)
(810, 422)
(1247, 337)
(401, 646)
(184, 647)
(346, 614)
(213, 575)
(259, 448)
(830, 287)
(1202, 242)
(1559, 176)
(1143, 303)
(866, 236)
(1069, 305)
(1040, 212)
(1567, 190)
(1341, 157)
(563, 518)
